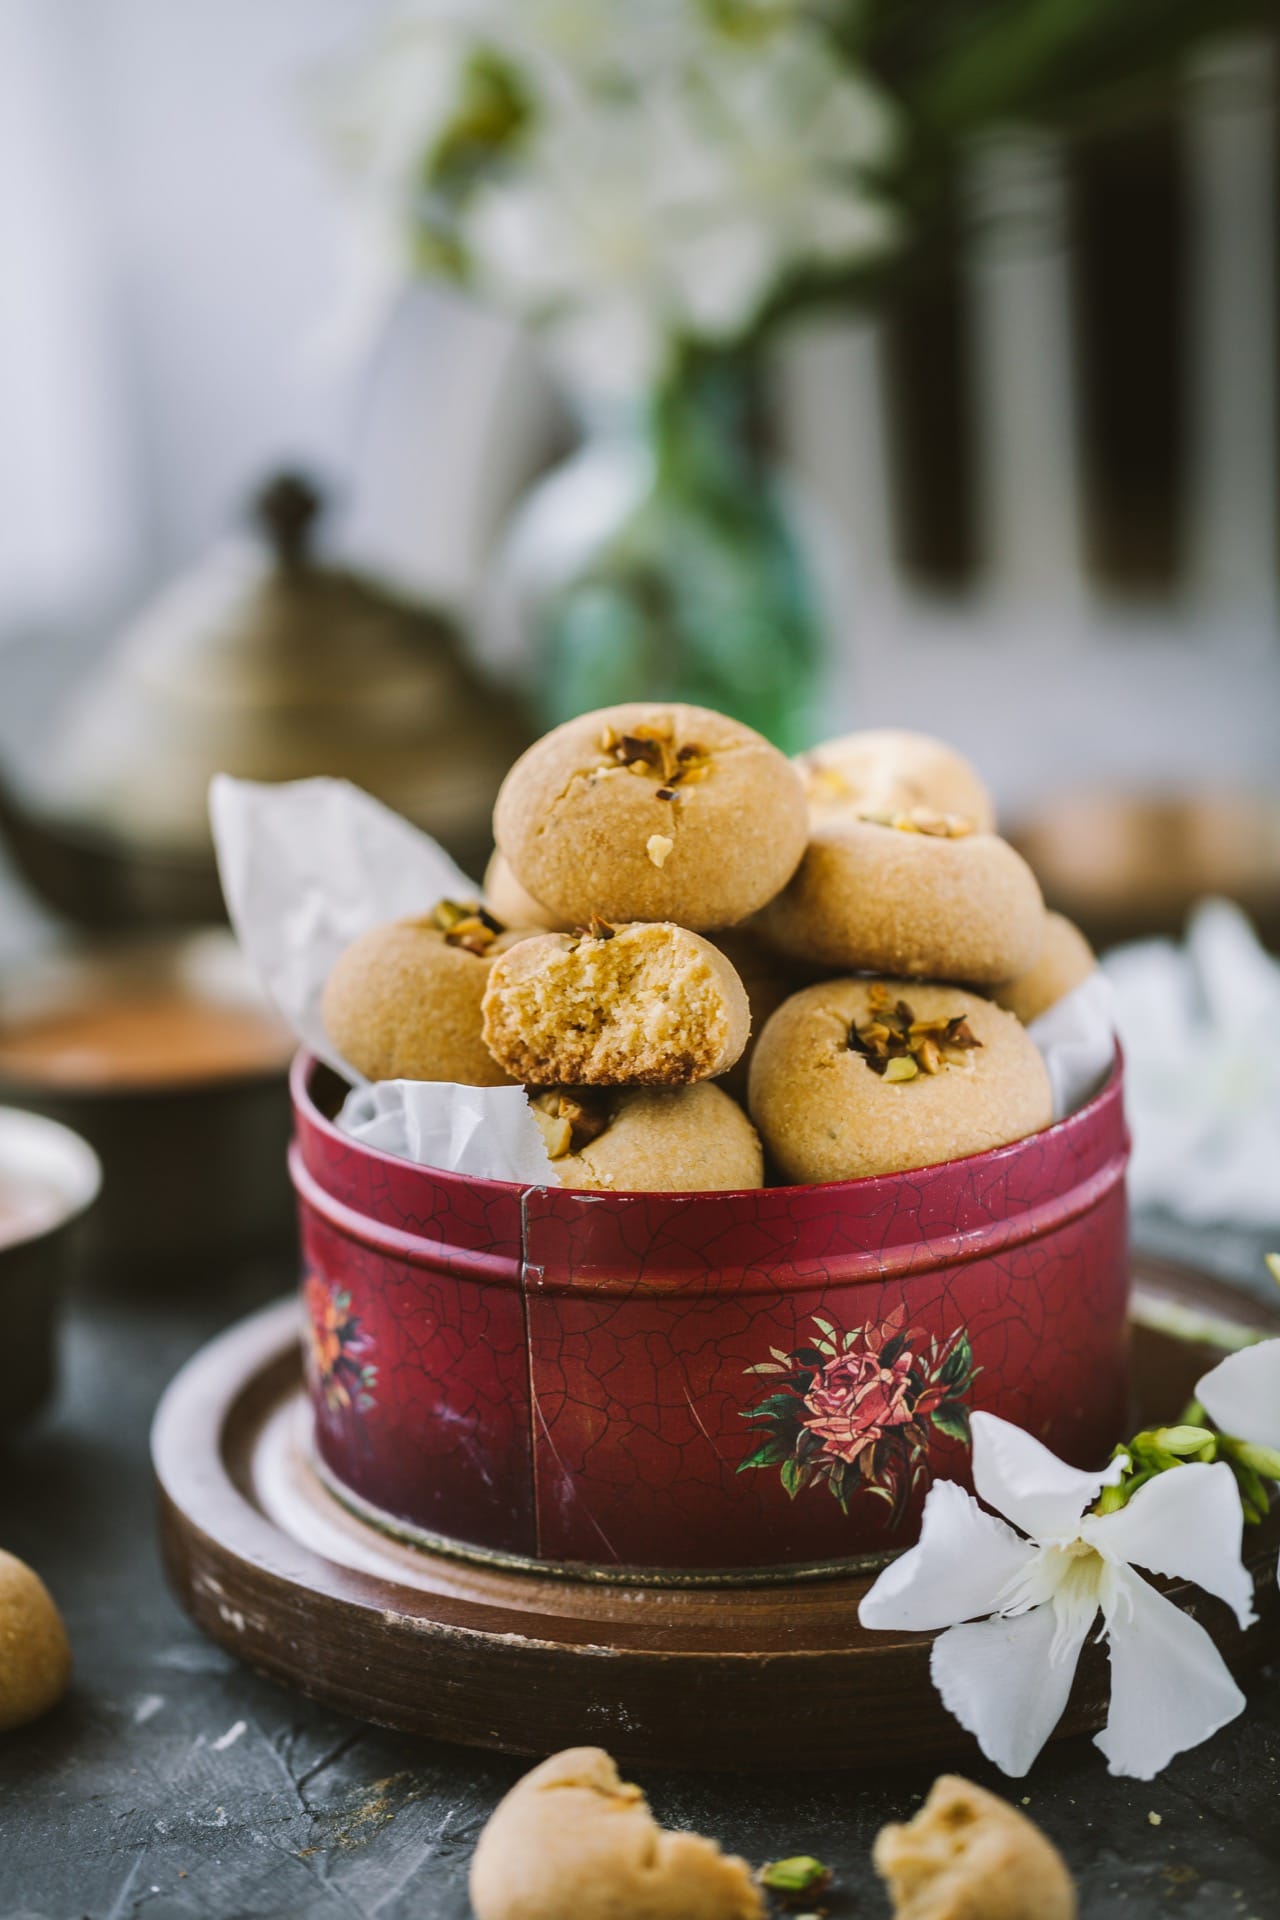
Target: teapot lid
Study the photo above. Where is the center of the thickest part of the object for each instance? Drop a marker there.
(268, 662)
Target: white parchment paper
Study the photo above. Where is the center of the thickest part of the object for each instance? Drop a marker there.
(309, 865)
(306, 867)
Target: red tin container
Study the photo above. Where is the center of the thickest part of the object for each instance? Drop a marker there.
(701, 1383)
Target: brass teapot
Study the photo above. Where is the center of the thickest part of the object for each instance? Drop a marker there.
(266, 663)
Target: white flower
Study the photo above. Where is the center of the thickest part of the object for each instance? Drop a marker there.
(1007, 1677)
(1241, 1395)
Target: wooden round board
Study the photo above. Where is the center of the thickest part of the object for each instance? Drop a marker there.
(272, 1566)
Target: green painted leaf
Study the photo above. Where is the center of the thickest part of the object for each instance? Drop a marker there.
(769, 1454)
(952, 1418)
(791, 1477)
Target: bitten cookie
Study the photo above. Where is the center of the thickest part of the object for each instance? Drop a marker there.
(35, 1657)
(572, 1841)
(1066, 959)
(645, 812)
(969, 1855)
(647, 1004)
(853, 1078)
(941, 904)
(892, 771)
(513, 904)
(650, 1139)
(403, 1001)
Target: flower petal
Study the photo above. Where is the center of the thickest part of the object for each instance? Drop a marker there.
(1006, 1683)
(1186, 1523)
(961, 1564)
(1242, 1394)
(1170, 1688)
(1021, 1479)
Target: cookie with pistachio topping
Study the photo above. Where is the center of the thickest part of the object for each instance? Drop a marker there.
(890, 770)
(853, 1078)
(649, 812)
(910, 893)
(403, 1002)
(649, 1139)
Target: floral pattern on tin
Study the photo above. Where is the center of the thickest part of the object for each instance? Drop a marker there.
(856, 1410)
(336, 1347)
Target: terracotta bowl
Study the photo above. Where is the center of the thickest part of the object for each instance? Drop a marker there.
(696, 1383)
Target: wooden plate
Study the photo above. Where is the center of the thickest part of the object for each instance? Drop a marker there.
(272, 1566)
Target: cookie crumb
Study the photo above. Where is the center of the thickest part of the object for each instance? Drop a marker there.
(658, 846)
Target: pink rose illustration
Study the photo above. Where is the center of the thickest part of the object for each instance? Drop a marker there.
(855, 1410)
(856, 1398)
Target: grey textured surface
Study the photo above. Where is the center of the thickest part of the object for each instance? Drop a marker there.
(173, 1783)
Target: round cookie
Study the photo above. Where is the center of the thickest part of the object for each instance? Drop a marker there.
(35, 1656)
(1066, 960)
(854, 1078)
(643, 812)
(917, 904)
(403, 1002)
(769, 980)
(968, 1855)
(891, 770)
(647, 1004)
(572, 1841)
(650, 1139)
(513, 904)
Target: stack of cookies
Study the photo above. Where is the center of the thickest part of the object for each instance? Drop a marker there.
(678, 920)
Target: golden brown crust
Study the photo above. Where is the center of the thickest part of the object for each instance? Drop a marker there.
(403, 1003)
(769, 979)
(1066, 961)
(968, 1855)
(587, 832)
(513, 904)
(890, 768)
(649, 1004)
(825, 1113)
(572, 1841)
(35, 1655)
(913, 905)
(667, 1140)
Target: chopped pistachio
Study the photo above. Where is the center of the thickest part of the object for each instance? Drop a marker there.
(658, 846)
(901, 1067)
(800, 1874)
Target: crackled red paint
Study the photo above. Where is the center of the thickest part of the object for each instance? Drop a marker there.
(564, 1375)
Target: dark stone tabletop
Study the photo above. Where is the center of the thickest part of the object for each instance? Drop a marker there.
(173, 1783)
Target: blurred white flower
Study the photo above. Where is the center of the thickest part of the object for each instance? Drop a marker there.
(1241, 1395)
(1007, 1677)
(1203, 1095)
(673, 166)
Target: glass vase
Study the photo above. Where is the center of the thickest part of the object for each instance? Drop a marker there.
(669, 559)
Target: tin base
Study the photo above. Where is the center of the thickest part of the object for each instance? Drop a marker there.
(518, 1658)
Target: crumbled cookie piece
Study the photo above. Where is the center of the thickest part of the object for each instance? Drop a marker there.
(969, 1855)
(572, 1841)
(35, 1656)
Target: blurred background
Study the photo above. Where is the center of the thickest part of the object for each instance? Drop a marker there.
(383, 382)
